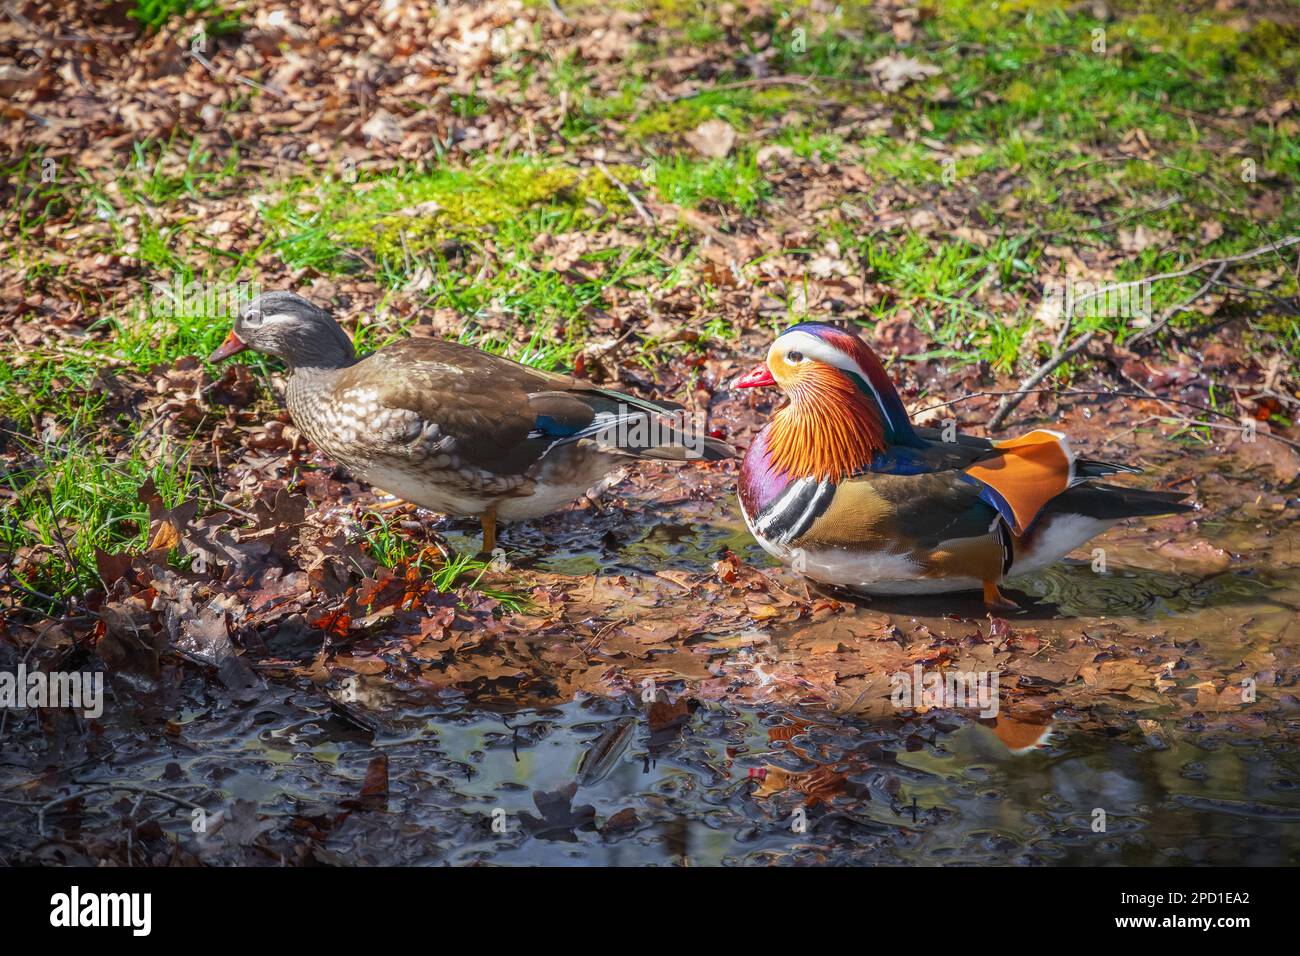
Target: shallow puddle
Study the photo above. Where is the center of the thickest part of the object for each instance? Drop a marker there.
(697, 795)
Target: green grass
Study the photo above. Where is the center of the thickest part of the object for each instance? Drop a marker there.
(72, 498)
(733, 183)
(385, 541)
(321, 220)
(433, 225)
(154, 14)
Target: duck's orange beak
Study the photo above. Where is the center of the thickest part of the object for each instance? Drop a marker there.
(759, 375)
(231, 346)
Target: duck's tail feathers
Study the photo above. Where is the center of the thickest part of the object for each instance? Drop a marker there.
(625, 424)
(670, 436)
(661, 431)
(1114, 502)
(1092, 468)
(705, 449)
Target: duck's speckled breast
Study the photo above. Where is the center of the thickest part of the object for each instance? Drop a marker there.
(333, 427)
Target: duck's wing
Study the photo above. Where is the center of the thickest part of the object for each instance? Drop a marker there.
(923, 510)
(946, 524)
(504, 417)
(959, 451)
(1018, 476)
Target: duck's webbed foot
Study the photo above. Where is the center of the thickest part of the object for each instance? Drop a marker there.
(995, 600)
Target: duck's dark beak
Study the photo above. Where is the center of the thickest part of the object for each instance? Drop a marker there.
(232, 346)
(760, 375)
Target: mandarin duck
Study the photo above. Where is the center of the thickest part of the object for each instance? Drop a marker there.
(452, 428)
(844, 487)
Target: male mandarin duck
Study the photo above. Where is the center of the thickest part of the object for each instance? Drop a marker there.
(452, 428)
(842, 485)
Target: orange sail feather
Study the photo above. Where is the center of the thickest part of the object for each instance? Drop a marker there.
(1028, 473)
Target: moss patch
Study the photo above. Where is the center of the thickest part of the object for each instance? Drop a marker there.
(398, 216)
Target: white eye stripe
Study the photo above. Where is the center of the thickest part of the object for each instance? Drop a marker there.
(261, 318)
(811, 347)
(814, 348)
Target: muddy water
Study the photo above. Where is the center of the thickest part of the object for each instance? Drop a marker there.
(753, 782)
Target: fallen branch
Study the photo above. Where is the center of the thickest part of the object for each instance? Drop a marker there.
(1106, 393)
(1173, 310)
(1060, 357)
(144, 791)
(1062, 354)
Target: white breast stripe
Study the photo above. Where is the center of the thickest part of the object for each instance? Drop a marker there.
(802, 501)
(805, 520)
(772, 513)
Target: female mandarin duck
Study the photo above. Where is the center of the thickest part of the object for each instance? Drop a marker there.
(841, 483)
(452, 428)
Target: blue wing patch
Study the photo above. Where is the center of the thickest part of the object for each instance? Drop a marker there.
(553, 428)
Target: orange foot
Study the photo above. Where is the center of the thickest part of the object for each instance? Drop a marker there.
(994, 599)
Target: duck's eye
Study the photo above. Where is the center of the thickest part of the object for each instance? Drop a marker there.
(794, 357)
(252, 317)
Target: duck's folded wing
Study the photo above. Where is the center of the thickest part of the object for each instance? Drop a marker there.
(1021, 475)
(901, 511)
(959, 451)
(504, 417)
(456, 404)
(934, 524)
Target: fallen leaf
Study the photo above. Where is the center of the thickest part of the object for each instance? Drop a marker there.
(895, 71)
(712, 139)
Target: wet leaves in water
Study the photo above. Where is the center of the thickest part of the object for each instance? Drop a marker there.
(560, 819)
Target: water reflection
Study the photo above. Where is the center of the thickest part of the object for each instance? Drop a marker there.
(593, 782)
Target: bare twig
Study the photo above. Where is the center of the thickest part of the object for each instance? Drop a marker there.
(1255, 253)
(22, 21)
(1290, 304)
(1173, 310)
(58, 530)
(641, 210)
(207, 64)
(43, 808)
(1103, 393)
(1210, 184)
(1059, 357)
(1111, 223)
(1061, 354)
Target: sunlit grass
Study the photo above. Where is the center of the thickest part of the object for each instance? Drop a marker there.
(385, 541)
(70, 499)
